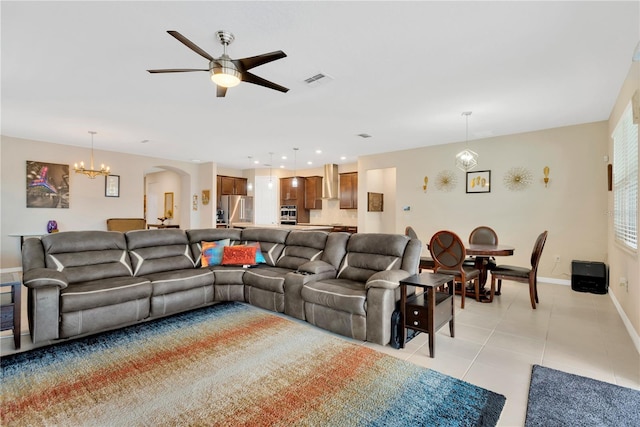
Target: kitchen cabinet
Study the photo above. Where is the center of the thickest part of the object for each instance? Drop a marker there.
(294, 196)
(290, 195)
(349, 190)
(313, 192)
(230, 186)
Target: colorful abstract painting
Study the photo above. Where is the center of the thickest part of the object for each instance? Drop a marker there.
(47, 185)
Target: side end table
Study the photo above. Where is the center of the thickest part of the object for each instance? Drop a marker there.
(429, 311)
(11, 305)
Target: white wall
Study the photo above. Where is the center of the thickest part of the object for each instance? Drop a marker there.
(572, 208)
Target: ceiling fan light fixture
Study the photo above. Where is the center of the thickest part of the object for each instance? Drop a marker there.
(224, 73)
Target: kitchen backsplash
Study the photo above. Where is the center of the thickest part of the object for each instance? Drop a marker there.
(332, 214)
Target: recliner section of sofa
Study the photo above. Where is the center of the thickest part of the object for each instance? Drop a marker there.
(89, 281)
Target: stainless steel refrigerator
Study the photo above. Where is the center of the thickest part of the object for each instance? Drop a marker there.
(237, 208)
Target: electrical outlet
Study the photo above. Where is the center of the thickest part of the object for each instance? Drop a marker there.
(624, 282)
(557, 258)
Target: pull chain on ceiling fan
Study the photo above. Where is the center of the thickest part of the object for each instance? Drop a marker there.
(227, 72)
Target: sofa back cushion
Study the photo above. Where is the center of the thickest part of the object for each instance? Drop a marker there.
(196, 237)
(271, 241)
(368, 253)
(87, 255)
(155, 251)
(301, 247)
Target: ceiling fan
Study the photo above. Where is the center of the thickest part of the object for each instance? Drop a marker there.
(227, 72)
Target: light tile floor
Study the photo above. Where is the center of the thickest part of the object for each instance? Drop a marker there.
(496, 344)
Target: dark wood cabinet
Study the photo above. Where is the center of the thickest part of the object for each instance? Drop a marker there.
(295, 196)
(313, 192)
(231, 185)
(290, 195)
(349, 190)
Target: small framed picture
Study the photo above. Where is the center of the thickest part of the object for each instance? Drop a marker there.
(375, 202)
(112, 186)
(479, 182)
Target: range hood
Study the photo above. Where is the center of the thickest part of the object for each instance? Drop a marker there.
(330, 182)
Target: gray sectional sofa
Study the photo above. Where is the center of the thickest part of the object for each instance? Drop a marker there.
(84, 282)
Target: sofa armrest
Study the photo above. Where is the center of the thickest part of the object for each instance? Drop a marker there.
(41, 277)
(315, 267)
(388, 279)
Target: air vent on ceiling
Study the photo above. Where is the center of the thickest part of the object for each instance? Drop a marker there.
(318, 79)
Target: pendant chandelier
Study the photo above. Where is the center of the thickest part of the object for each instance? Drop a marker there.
(467, 159)
(91, 172)
(294, 182)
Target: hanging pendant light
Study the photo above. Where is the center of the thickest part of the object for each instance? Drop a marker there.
(294, 182)
(467, 159)
(270, 185)
(91, 172)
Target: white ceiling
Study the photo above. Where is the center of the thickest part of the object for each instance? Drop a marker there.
(402, 72)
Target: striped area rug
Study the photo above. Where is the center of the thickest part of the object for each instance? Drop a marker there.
(231, 365)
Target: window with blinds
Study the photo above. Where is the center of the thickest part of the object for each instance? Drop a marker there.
(625, 180)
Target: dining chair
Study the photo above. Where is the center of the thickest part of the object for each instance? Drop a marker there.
(425, 261)
(448, 253)
(482, 235)
(521, 274)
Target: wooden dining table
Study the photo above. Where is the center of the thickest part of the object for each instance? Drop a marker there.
(482, 254)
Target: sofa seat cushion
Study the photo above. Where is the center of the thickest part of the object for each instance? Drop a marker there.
(266, 278)
(180, 280)
(228, 275)
(340, 294)
(103, 292)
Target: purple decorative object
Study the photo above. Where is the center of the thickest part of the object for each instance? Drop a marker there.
(52, 226)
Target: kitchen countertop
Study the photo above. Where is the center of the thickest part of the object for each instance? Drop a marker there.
(283, 227)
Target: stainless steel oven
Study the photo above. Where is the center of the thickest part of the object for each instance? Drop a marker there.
(288, 215)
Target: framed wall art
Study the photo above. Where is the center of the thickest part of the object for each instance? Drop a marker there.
(479, 182)
(47, 185)
(112, 186)
(375, 202)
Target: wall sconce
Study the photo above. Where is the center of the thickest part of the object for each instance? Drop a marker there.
(426, 181)
(546, 175)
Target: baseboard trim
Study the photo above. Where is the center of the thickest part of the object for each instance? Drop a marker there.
(627, 323)
(553, 281)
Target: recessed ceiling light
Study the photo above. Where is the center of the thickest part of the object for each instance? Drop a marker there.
(284, 157)
(256, 162)
(343, 158)
(318, 151)
(309, 162)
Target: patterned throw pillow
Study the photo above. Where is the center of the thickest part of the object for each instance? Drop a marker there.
(239, 255)
(212, 252)
(259, 257)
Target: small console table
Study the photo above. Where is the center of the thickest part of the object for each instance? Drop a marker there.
(11, 305)
(428, 311)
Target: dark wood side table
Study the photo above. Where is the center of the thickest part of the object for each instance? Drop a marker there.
(428, 311)
(11, 305)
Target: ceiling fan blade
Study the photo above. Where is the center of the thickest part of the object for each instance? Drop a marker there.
(252, 78)
(254, 61)
(191, 45)
(221, 91)
(175, 70)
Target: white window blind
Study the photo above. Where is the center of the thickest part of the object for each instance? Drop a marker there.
(625, 180)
